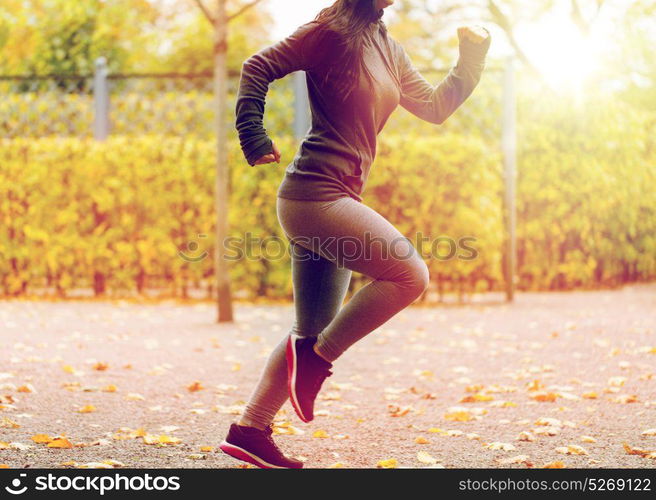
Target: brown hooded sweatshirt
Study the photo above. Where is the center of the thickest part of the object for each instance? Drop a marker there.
(336, 154)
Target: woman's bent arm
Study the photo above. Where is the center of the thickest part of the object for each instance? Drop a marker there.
(294, 53)
(436, 103)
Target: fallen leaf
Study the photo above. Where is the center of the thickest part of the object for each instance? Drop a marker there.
(398, 411)
(572, 449)
(60, 442)
(195, 387)
(525, 436)
(162, 439)
(518, 459)
(41, 438)
(459, 416)
(320, 434)
(475, 398)
(544, 397)
(426, 458)
(87, 409)
(421, 440)
(7, 423)
(497, 445)
(390, 463)
(637, 451)
(554, 465)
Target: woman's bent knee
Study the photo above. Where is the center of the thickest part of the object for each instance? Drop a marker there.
(416, 278)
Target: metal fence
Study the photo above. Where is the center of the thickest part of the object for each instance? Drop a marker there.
(101, 104)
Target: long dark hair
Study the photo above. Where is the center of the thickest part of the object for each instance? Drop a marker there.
(350, 20)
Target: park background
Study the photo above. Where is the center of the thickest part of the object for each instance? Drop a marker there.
(110, 216)
(110, 146)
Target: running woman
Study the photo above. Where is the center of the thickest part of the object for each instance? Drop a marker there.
(356, 74)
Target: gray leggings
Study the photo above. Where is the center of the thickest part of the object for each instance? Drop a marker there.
(329, 240)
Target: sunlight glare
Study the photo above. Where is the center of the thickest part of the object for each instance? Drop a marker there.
(561, 52)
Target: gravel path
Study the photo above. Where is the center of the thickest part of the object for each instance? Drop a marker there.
(583, 363)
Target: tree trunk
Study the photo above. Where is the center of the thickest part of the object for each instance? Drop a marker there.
(224, 301)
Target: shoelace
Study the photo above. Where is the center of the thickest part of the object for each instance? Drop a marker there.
(317, 382)
(268, 435)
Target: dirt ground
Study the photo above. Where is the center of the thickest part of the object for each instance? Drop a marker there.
(452, 386)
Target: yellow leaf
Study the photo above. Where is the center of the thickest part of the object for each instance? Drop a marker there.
(536, 385)
(496, 445)
(572, 449)
(478, 397)
(41, 438)
(320, 434)
(390, 463)
(554, 465)
(195, 387)
(589, 395)
(636, 451)
(435, 430)
(398, 411)
(544, 397)
(87, 409)
(101, 367)
(421, 440)
(626, 398)
(4, 446)
(68, 369)
(588, 439)
(25, 388)
(110, 388)
(113, 463)
(162, 439)
(4, 466)
(458, 416)
(60, 442)
(207, 449)
(7, 423)
(337, 465)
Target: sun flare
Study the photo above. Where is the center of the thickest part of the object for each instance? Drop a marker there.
(566, 57)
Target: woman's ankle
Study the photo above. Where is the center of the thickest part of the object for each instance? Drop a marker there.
(252, 425)
(316, 350)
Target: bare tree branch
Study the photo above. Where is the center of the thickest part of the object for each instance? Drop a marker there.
(504, 23)
(205, 11)
(577, 18)
(243, 9)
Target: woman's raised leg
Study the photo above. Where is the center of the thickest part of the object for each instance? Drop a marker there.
(352, 235)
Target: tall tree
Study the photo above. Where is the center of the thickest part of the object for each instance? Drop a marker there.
(219, 18)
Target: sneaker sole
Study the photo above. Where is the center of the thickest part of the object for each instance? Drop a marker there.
(291, 375)
(246, 456)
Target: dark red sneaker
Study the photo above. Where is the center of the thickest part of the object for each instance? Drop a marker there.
(256, 447)
(306, 372)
